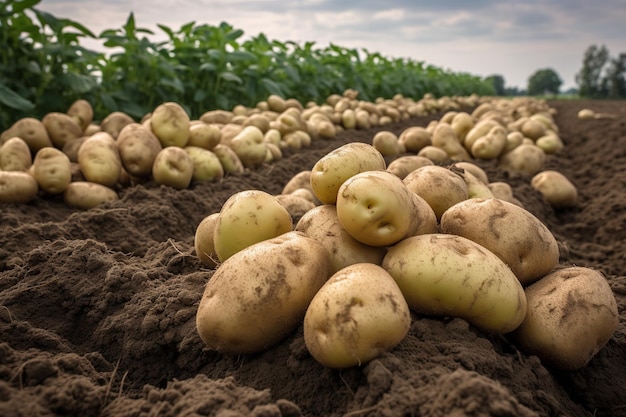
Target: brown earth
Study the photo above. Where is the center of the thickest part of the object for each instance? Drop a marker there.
(97, 309)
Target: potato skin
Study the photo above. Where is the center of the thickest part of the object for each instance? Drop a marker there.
(357, 315)
(15, 155)
(260, 294)
(61, 128)
(31, 130)
(450, 275)
(17, 187)
(85, 195)
(337, 166)
(99, 159)
(138, 148)
(203, 240)
(572, 314)
(514, 234)
(52, 170)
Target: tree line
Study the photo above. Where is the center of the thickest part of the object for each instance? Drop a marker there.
(601, 76)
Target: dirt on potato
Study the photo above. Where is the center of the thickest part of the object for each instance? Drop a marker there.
(97, 308)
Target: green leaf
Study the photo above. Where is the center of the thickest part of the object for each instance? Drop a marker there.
(208, 66)
(20, 6)
(79, 83)
(272, 87)
(13, 100)
(199, 96)
(175, 83)
(108, 102)
(238, 56)
(229, 76)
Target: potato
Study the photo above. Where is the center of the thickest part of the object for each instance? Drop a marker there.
(503, 191)
(221, 117)
(477, 171)
(415, 138)
(433, 153)
(296, 205)
(259, 121)
(586, 114)
(550, 143)
(556, 188)
(248, 217)
(17, 187)
(322, 224)
(514, 234)
(439, 186)
(203, 240)
(513, 140)
(61, 128)
(249, 147)
(450, 275)
(85, 195)
(572, 314)
(138, 148)
(261, 294)
(173, 167)
(71, 148)
(206, 165)
(404, 165)
(479, 130)
(301, 180)
(52, 170)
(526, 158)
(15, 155)
(475, 187)
(387, 143)
(462, 123)
(445, 138)
(115, 122)
(337, 166)
(356, 316)
(348, 119)
(170, 124)
(229, 159)
(533, 129)
(99, 159)
(378, 209)
(491, 145)
(30, 130)
(204, 135)
(82, 112)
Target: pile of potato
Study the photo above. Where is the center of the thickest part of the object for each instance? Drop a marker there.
(368, 247)
(87, 162)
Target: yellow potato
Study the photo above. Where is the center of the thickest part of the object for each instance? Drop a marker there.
(173, 167)
(450, 275)
(378, 209)
(433, 153)
(462, 123)
(204, 135)
(514, 234)
(322, 224)
(30, 130)
(356, 316)
(81, 111)
(61, 128)
(415, 138)
(15, 155)
(439, 186)
(52, 170)
(444, 137)
(556, 188)
(138, 148)
(261, 294)
(203, 241)
(404, 165)
(99, 159)
(170, 124)
(296, 205)
(491, 145)
(114, 122)
(330, 172)
(17, 187)
(387, 143)
(526, 158)
(249, 146)
(248, 217)
(229, 159)
(85, 195)
(572, 314)
(206, 165)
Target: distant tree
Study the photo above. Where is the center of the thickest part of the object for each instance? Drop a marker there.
(614, 80)
(544, 81)
(514, 91)
(498, 83)
(589, 78)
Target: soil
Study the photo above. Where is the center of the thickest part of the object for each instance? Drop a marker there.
(97, 308)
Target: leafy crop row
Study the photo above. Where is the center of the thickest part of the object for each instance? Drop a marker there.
(43, 67)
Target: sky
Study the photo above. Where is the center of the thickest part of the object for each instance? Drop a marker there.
(481, 37)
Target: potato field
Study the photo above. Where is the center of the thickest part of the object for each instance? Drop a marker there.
(452, 256)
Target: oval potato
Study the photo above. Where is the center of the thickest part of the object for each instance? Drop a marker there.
(17, 187)
(356, 316)
(85, 195)
(450, 275)
(261, 293)
(572, 314)
(514, 234)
